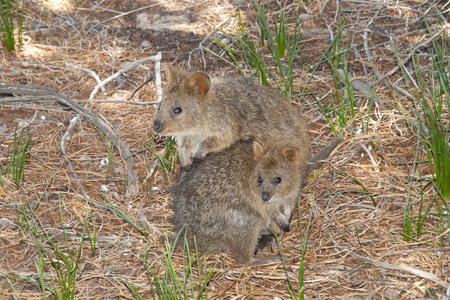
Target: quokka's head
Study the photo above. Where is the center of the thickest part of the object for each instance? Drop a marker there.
(276, 173)
(181, 111)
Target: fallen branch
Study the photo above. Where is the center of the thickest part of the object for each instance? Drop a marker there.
(50, 98)
(156, 58)
(157, 62)
(140, 9)
(157, 78)
(133, 187)
(123, 15)
(419, 250)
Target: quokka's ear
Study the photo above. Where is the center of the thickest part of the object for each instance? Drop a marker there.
(173, 74)
(199, 82)
(258, 149)
(291, 154)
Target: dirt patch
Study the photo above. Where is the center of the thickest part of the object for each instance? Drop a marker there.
(159, 23)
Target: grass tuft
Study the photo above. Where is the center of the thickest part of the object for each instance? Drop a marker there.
(61, 261)
(189, 283)
(304, 236)
(15, 165)
(430, 107)
(8, 9)
(272, 58)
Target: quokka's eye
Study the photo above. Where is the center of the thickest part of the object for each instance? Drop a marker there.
(277, 180)
(177, 110)
(260, 180)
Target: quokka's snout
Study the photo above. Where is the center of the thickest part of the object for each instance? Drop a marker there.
(157, 126)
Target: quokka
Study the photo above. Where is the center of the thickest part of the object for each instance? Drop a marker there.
(210, 114)
(227, 200)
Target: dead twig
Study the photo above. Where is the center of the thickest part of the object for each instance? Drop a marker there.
(133, 187)
(200, 45)
(372, 159)
(140, 87)
(362, 87)
(124, 14)
(402, 268)
(89, 72)
(420, 250)
(157, 63)
(50, 98)
(156, 59)
(119, 101)
(147, 226)
(139, 9)
(404, 61)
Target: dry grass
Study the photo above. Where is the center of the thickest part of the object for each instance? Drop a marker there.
(59, 41)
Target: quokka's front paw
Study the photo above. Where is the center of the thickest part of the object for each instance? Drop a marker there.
(199, 154)
(186, 168)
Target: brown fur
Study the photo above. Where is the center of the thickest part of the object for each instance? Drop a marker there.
(210, 114)
(228, 199)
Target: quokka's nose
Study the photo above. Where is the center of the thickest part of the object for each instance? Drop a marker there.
(157, 126)
(265, 196)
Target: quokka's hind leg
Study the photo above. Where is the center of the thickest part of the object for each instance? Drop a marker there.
(243, 245)
(244, 255)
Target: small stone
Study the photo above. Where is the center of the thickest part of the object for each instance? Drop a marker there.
(3, 129)
(104, 162)
(4, 223)
(145, 44)
(304, 18)
(226, 41)
(398, 31)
